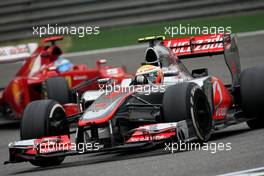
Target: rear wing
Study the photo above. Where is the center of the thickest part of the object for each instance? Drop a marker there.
(208, 45)
(205, 45)
(52, 39)
(16, 53)
(10, 54)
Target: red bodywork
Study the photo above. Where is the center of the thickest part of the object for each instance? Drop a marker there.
(27, 84)
(206, 45)
(222, 99)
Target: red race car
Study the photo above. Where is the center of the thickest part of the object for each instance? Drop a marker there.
(46, 74)
(163, 103)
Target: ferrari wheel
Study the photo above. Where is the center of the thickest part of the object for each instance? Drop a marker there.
(56, 88)
(186, 101)
(251, 89)
(43, 118)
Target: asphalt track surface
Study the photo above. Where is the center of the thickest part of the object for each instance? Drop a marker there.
(247, 145)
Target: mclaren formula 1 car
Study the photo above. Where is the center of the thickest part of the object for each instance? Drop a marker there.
(185, 107)
(46, 74)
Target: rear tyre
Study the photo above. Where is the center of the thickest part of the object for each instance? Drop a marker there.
(186, 101)
(39, 120)
(57, 88)
(252, 95)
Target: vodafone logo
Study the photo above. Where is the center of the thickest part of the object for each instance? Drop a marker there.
(218, 95)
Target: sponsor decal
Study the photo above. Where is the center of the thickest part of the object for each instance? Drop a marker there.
(112, 71)
(190, 45)
(81, 77)
(218, 96)
(220, 112)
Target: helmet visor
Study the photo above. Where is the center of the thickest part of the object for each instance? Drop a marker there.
(152, 76)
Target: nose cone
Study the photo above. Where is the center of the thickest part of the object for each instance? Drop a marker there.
(102, 110)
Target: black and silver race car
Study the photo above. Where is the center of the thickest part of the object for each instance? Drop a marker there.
(185, 107)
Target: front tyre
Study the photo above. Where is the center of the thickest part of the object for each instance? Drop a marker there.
(44, 118)
(57, 88)
(186, 101)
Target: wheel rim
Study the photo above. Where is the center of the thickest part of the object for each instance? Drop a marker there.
(57, 124)
(202, 117)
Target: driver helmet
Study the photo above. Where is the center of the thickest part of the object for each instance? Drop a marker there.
(151, 73)
(63, 65)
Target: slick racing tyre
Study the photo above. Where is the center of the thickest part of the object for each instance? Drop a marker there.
(56, 88)
(40, 119)
(252, 95)
(180, 100)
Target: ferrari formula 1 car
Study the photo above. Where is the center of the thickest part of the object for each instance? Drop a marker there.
(185, 107)
(46, 74)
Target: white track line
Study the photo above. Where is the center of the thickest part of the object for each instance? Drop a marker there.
(246, 172)
(249, 34)
(132, 47)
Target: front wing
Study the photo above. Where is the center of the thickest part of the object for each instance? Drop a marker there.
(143, 137)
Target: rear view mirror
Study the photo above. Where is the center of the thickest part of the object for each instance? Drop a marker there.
(104, 81)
